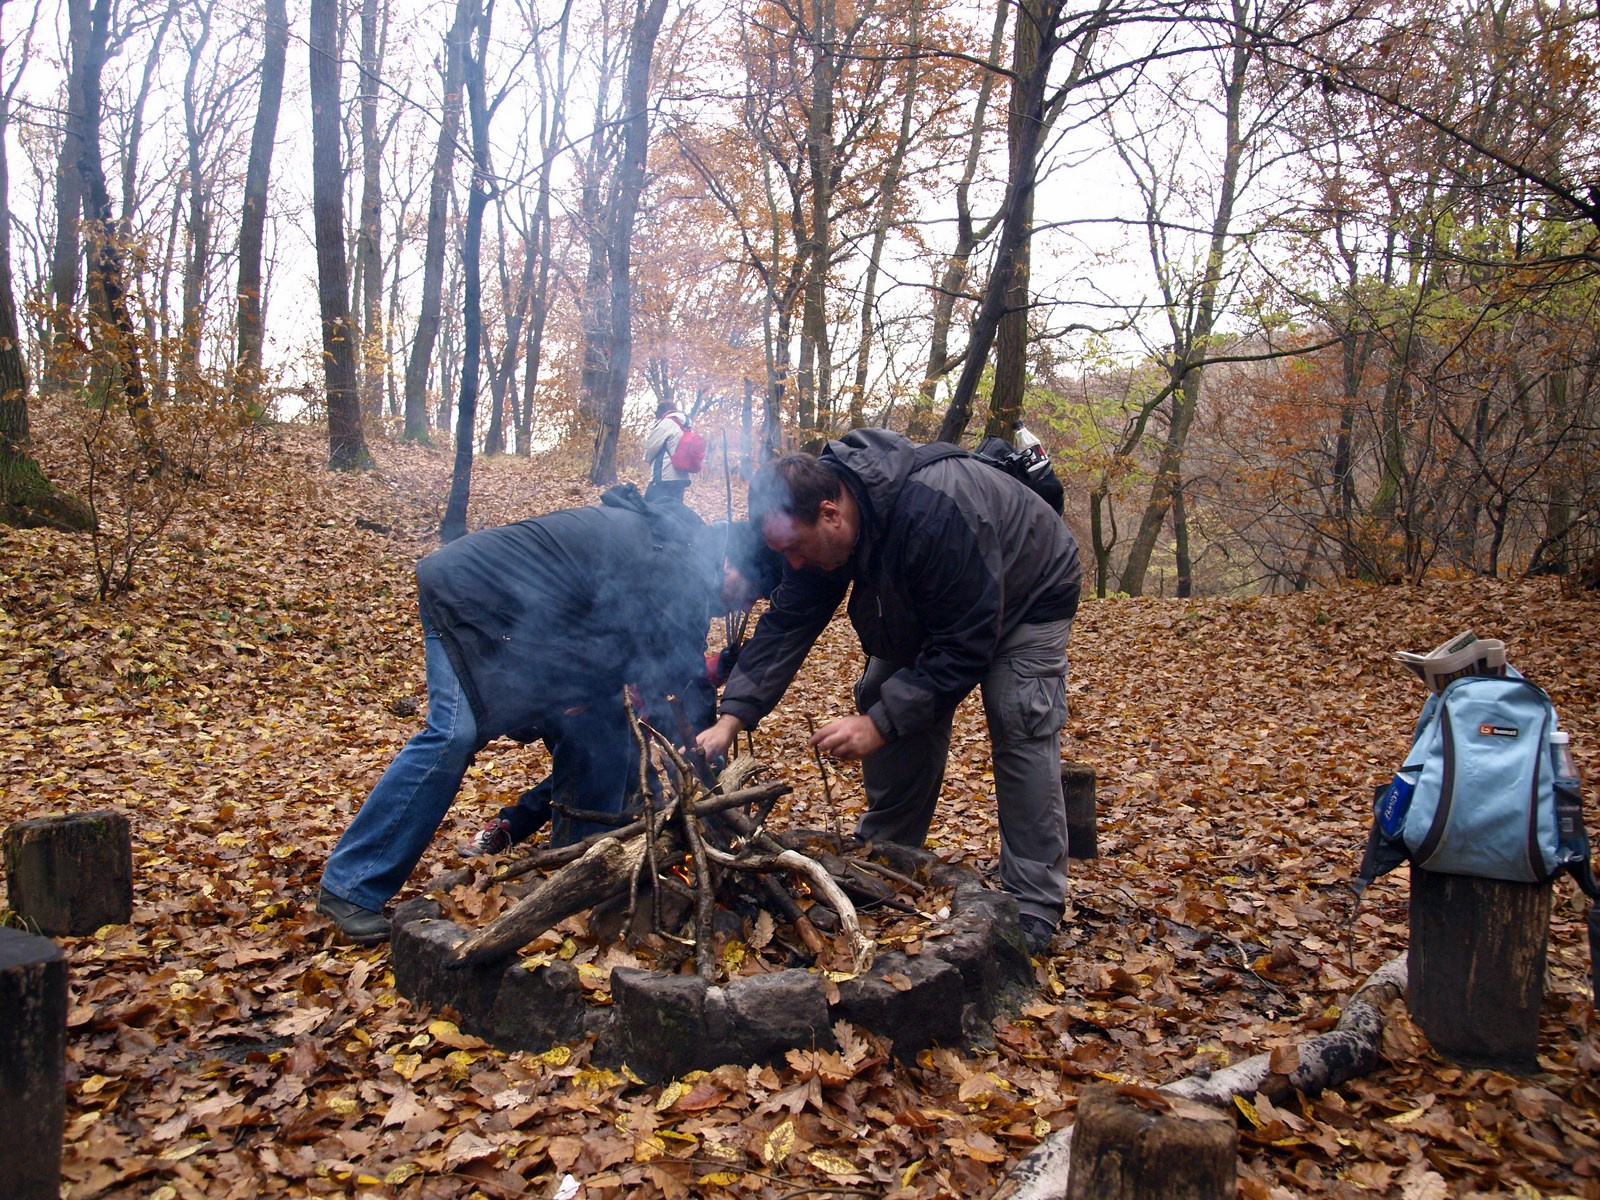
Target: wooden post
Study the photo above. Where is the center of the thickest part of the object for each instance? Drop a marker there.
(1132, 1143)
(1077, 793)
(66, 876)
(1475, 974)
(33, 1062)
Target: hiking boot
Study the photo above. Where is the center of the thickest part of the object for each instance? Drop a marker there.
(1037, 933)
(361, 925)
(493, 838)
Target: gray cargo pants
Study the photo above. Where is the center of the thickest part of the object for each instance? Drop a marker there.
(1025, 703)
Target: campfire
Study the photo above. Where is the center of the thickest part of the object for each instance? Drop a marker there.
(694, 934)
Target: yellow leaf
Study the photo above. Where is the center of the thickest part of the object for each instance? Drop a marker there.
(460, 1063)
(442, 1029)
(673, 1135)
(1405, 1118)
(648, 1149)
(627, 1073)
(778, 1144)
(568, 949)
(720, 1178)
(405, 1065)
(1249, 1111)
(671, 1094)
(343, 1105)
(832, 1164)
(93, 1084)
(557, 1056)
(910, 1173)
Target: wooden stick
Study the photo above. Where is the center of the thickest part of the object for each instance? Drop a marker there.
(601, 873)
(705, 959)
(1325, 1061)
(556, 856)
(861, 949)
(827, 792)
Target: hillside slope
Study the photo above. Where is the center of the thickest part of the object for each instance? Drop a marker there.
(240, 701)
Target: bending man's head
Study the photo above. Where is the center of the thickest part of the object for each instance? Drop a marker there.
(805, 512)
(750, 569)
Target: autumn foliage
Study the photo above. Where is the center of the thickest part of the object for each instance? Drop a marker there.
(243, 695)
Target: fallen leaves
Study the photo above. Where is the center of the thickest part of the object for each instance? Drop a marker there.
(243, 699)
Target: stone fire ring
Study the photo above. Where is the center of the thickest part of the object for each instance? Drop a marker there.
(972, 968)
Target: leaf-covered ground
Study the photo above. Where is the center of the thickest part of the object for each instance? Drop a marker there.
(243, 698)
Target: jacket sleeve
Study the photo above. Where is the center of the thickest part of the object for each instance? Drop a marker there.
(659, 439)
(953, 579)
(800, 609)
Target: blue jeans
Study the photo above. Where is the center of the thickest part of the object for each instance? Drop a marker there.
(387, 839)
(593, 763)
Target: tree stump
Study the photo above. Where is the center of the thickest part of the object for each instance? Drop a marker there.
(33, 1060)
(1475, 976)
(68, 875)
(1077, 793)
(1131, 1143)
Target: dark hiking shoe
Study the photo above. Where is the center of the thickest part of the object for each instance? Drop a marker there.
(361, 925)
(493, 838)
(1037, 933)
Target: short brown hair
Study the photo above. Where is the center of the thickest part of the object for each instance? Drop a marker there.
(795, 486)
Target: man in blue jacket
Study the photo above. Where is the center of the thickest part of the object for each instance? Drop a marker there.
(959, 576)
(531, 631)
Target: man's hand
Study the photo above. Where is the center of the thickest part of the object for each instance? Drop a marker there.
(715, 741)
(849, 737)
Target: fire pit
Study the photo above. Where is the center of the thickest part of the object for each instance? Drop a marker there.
(589, 949)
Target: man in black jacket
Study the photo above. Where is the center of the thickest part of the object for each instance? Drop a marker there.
(959, 577)
(531, 631)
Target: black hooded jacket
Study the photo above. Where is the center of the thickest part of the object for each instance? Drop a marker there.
(953, 556)
(552, 612)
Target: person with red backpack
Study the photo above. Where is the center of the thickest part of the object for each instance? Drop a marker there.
(675, 451)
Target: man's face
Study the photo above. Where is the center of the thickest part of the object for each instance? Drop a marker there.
(823, 545)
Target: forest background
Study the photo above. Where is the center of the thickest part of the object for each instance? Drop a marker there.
(1291, 291)
(1296, 295)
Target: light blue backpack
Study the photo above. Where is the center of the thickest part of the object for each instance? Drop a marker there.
(1476, 794)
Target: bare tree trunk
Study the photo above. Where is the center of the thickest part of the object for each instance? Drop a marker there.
(417, 367)
(369, 238)
(130, 150)
(65, 277)
(253, 221)
(552, 132)
(814, 376)
(1011, 338)
(454, 523)
(1189, 344)
(953, 277)
(196, 262)
(1028, 101)
(886, 203)
(347, 446)
(105, 275)
(630, 185)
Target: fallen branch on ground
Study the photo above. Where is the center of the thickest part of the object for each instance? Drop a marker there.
(1325, 1061)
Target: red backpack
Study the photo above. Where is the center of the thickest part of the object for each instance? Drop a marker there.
(689, 455)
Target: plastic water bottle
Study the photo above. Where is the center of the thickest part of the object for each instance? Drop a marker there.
(1395, 801)
(1568, 789)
